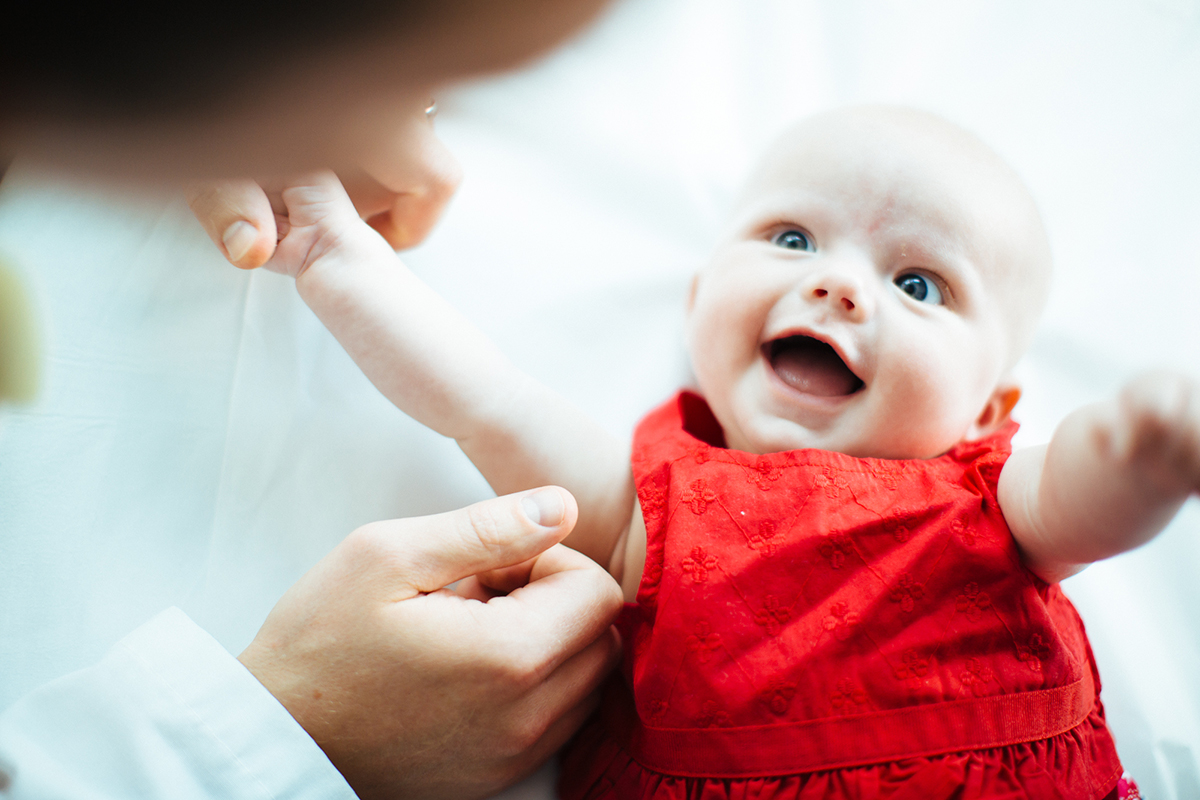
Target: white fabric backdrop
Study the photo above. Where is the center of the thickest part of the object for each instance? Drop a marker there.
(201, 441)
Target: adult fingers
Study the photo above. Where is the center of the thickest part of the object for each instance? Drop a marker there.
(567, 604)
(505, 579)
(577, 677)
(402, 190)
(554, 738)
(238, 218)
(549, 715)
(472, 588)
(431, 552)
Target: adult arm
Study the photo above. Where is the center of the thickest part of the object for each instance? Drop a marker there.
(367, 664)
(1112, 477)
(166, 713)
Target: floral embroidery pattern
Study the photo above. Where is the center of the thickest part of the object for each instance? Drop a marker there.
(698, 496)
(835, 549)
(762, 540)
(778, 696)
(772, 615)
(701, 455)
(978, 676)
(906, 592)
(764, 473)
(832, 482)
(699, 563)
(912, 669)
(712, 716)
(898, 529)
(887, 473)
(963, 532)
(1034, 652)
(704, 641)
(972, 602)
(657, 710)
(841, 621)
(848, 697)
(654, 501)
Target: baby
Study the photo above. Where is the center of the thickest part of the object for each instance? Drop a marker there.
(842, 584)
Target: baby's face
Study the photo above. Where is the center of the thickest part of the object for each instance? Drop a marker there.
(883, 273)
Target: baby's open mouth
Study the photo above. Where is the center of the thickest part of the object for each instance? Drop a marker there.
(811, 366)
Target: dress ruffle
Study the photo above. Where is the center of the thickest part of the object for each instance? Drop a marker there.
(1051, 769)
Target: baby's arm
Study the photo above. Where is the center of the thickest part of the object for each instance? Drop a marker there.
(1112, 477)
(438, 368)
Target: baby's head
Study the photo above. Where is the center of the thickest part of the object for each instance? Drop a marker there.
(882, 275)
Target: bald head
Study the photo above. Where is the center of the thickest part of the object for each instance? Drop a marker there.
(910, 166)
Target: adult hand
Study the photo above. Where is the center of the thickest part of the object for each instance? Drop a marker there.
(400, 190)
(417, 691)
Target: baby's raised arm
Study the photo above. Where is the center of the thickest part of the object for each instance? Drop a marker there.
(439, 369)
(1112, 477)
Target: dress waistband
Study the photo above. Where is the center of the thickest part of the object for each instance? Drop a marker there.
(849, 741)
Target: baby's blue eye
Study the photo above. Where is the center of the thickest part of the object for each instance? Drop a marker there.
(919, 287)
(792, 239)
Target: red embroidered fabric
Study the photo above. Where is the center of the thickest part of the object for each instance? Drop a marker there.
(812, 625)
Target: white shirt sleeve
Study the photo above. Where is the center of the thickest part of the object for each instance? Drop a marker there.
(167, 712)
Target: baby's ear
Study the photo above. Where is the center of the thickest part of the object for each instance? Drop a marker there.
(995, 412)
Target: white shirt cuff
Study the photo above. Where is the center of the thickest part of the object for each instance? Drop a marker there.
(168, 712)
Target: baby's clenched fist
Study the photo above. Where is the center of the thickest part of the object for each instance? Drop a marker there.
(1157, 431)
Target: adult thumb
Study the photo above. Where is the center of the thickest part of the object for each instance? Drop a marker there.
(237, 216)
(443, 548)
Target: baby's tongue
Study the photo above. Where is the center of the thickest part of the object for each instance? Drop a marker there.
(812, 367)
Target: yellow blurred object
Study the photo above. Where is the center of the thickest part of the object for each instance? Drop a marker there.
(18, 340)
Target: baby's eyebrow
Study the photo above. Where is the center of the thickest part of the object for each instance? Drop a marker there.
(761, 217)
(952, 258)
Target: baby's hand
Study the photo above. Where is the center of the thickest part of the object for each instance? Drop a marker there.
(316, 222)
(400, 191)
(249, 220)
(1155, 430)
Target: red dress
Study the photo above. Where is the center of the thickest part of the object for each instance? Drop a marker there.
(813, 625)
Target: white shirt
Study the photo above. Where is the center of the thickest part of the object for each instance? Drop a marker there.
(167, 712)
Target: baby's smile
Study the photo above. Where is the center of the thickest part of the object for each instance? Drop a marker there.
(811, 366)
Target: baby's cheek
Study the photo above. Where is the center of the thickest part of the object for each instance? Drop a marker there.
(933, 398)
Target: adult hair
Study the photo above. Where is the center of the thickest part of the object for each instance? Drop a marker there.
(118, 60)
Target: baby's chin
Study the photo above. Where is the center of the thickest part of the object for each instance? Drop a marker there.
(776, 435)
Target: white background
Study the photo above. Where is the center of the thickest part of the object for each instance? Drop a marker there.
(201, 441)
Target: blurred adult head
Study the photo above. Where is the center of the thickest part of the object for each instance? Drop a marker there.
(266, 87)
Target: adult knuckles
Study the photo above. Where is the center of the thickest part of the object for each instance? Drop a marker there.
(376, 545)
(517, 664)
(444, 182)
(524, 734)
(490, 528)
(610, 596)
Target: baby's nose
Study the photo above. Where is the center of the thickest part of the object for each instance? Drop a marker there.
(842, 291)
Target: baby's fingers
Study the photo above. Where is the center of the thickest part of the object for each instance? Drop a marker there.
(238, 218)
(1161, 427)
